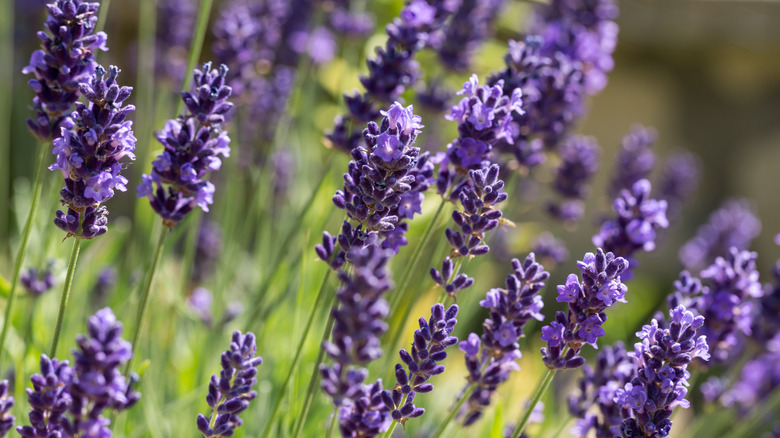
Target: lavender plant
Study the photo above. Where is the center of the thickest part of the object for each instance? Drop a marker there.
(230, 393)
(38, 282)
(6, 403)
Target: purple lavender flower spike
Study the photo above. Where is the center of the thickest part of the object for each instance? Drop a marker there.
(598, 387)
(634, 228)
(471, 24)
(38, 282)
(384, 185)
(734, 224)
(428, 348)
(391, 71)
(349, 24)
(600, 288)
(678, 181)
(660, 379)
(635, 160)
(582, 30)
(358, 323)
(230, 393)
(65, 60)
(103, 285)
(49, 400)
(579, 162)
(90, 154)
(192, 144)
(6, 403)
(553, 97)
(491, 357)
(479, 215)
(766, 324)
(367, 416)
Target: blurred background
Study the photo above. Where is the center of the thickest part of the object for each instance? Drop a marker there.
(705, 74)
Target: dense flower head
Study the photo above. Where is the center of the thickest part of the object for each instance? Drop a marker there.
(479, 215)
(634, 160)
(471, 24)
(679, 180)
(660, 381)
(579, 162)
(6, 403)
(727, 302)
(49, 399)
(634, 228)
(391, 71)
(90, 154)
(734, 224)
(598, 387)
(582, 30)
(553, 98)
(484, 116)
(383, 186)
(422, 362)
(37, 281)
(69, 401)
(192, 145)
(66, 59)
(358, 323)
(600, 288)
(492, 356)
(367, 416)
(230, 393)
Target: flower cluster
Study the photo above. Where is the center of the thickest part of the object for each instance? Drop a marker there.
(37, 282)
(65, 60)
(660, 381)
(766, 324)
(598, 387)
(367, 416)
(192, 145)
(479, 215)
(599, 289)
(491, 357)
(579, 162)
(634, 228)
(428, 349)
(553, 96)
(635, 159)
(349, 23)
(6, 403)
(727, 304)
(549, 250)
(464, 33)
(230, 393)
(384, 185)
(392, 71)
(89, 154)
(358, 324)
(583, 31)
(734, 224)
(484, 116)
(69, 401)
(759, 378)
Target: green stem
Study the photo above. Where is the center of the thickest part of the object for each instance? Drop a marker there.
(102, 15)
(296, 360)
(36, 196)
(541, 389)
(6, 105)
(74, 256)
(299, 422)
(333, 422)
(454, 411)
(145, 294)
(196, 47)
(261, 295)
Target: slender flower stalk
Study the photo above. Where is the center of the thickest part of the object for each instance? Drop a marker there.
(74, 256)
